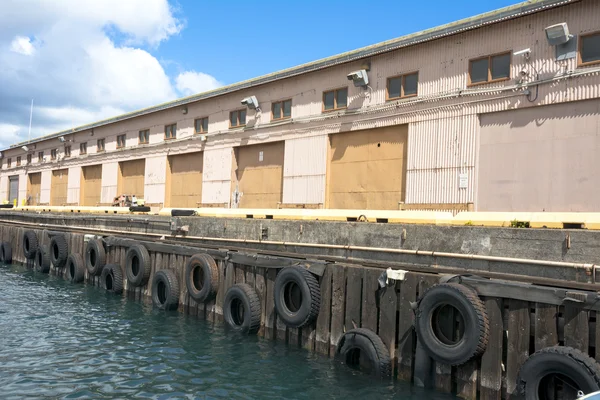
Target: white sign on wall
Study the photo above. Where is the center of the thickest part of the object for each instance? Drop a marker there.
(463, 181)
(260, 156)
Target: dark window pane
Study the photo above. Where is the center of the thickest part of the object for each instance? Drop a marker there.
(205, 124)
(342, 98)
(287, 108)
(233, 118)
(276, 110)
(242, 117)
(394, 87)
(501, 66)
(590, 48)
(410, 84)
(328, 99)
(198, 125)
(479, 70)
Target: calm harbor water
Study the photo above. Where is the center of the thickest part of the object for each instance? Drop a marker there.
(59, 340)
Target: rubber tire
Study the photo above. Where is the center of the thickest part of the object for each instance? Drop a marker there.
(6, 253)
(476, 331)
(371, 346)
(182, 213)
(171, 300)
(96, 246)
(210, 277)
(60, 259)
(31, 244)
(116, 278)
(144, 265)
(580, 367)
(42, 260)
(311, 296)
(251, 303)
(75, 263)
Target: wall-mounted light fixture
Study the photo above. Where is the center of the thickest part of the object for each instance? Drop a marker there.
(558, 34)
(360, 77)
(203, 138)
(25, 148)
(62, 139)
(251, 102)
(184, 110)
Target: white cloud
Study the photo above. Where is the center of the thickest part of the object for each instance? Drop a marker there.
(191, 82)
(22, 45)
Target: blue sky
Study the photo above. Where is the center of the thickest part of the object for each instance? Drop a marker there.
(86, 60)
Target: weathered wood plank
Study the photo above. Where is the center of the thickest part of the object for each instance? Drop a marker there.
(270, 322)
(217, 308)
(261, 290)
(369, 311)
(322, 332)
(518, 340)
(491, 360)
(406, 321)
(337, 306)
(353, 297)
(387, 320)
(546, 326)
(576, 328)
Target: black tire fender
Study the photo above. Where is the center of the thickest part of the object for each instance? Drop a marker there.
(6, 253)
(297, 296)
(165, 290)
(182, 213)
(241, 308)
(59, 251)
(30, 244)
(95, 257)
(137, 265)
(472, 342)
(75, 270)
(42, 260)
(202, 277)
(581, 369)
(112, 278)
(360, 345)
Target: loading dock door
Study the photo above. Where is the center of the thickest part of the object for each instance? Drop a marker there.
(34, 189)
(91, 185)
(58, 191)
(260, 175)
(184, 184)
(131, 178)
(368, 169)
(13, 188)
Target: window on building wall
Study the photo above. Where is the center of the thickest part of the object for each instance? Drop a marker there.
(100, 145)
(40, 156)
(488, 69)
(29, 156)
(402, 86)
(144, 136)
(281, 110)
(335, 99)
(170, 131)
(121, 139)
(589, 49)
(53, 153)
(67, 151)
(18, 161)
(201, 125)
(9, 163)
(237, 118)
(82, 148)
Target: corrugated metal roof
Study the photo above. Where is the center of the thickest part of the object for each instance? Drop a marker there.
(503, 14)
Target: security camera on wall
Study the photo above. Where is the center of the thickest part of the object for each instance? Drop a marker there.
(360, 78)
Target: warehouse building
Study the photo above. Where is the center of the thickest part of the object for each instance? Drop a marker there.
(499, 112)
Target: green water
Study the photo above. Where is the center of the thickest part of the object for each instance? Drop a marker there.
(59, 340)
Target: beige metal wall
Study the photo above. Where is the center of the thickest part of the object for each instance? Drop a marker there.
(542, 159)
(91, 185)
(368, 169)
(305, 169)
(131, 178)
(184, 180)
(58, 191)
(259, 175)
(34, 186)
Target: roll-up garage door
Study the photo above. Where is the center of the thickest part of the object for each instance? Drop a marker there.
(34, 189)
(91, 185)
(184, 184)
(260, 175)
(368, 169)
(58, 191)
(13, 188)
(131, 178)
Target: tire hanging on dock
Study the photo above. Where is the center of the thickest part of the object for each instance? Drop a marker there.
(566, 365)
(112, 278)
(42, 260)
(59, 251)
(297, 296)
(165, 290)
(30, 244)
(241, 308)
(95, 257)
(201, 277)
(362, 349)
(439, 310)
(75, 270)
(5, 253)
(137, 265)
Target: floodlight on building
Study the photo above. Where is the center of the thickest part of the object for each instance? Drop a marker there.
(25, 148)
(558, 34)
(251, 102)
(62, 139)
(360, 77)
(184, 110)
